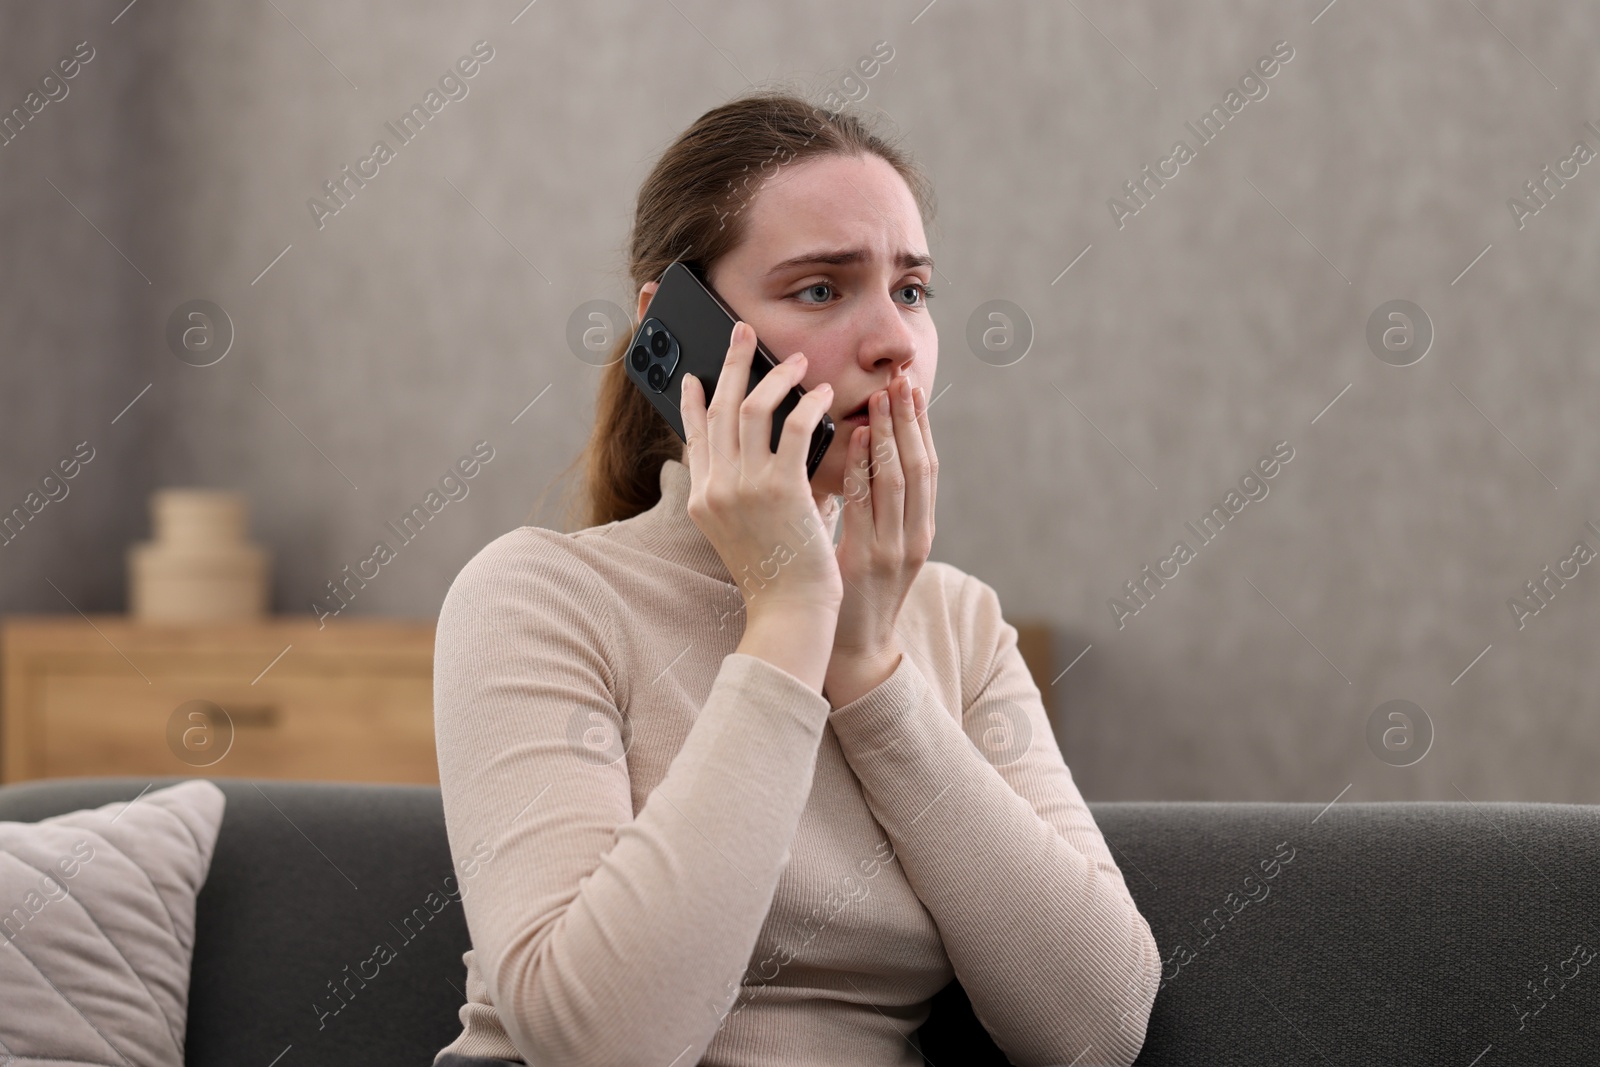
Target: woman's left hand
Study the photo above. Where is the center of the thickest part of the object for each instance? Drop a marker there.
(890, 483)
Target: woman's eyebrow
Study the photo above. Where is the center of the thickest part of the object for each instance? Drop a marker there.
(839, 257)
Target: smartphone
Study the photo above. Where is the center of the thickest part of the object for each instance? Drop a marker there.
(686, 330)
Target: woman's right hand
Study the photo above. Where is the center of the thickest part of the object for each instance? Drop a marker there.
(754, 505)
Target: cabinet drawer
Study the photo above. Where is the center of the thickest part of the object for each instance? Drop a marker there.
(324, 726)
(88, 696)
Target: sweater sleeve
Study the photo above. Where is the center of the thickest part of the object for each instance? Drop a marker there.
(997, 842)
(605, 937)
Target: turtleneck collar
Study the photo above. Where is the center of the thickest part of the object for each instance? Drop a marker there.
(666, 530)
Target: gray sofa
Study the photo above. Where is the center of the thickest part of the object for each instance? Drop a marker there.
(1393, 933)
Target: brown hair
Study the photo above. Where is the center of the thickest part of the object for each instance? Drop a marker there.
(690, 207)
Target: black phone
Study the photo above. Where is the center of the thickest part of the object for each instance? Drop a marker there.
(686, 330)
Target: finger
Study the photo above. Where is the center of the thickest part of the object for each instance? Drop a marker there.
(798, 427)
(921, 400)
(732, 380)
(756, 411)
(888, 480)
(692, 410)
(857, 484)
(913, 456)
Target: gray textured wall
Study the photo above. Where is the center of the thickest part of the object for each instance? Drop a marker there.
(1227, 315)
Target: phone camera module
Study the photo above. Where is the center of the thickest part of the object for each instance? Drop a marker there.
(655, 355)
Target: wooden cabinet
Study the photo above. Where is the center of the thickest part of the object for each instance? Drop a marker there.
(1036, 643)
(278, 698)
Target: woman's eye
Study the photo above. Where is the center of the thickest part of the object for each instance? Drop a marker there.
(915, 288)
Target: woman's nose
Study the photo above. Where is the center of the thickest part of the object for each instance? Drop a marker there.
(887, 337)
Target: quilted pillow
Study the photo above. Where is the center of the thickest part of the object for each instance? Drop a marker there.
(97, 928)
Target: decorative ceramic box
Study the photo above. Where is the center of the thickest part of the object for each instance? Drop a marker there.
(201, 566)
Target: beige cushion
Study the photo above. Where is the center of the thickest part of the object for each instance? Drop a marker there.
(97, 928)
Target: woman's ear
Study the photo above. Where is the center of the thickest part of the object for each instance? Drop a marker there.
(645, 294)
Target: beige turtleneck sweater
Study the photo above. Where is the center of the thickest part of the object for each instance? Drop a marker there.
(674, 853)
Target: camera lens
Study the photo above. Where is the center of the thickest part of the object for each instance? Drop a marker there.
(658, 378)
(641, 358)
(660, 343)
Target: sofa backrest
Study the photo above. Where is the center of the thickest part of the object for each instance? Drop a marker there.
(1402, 932)
(306, 880)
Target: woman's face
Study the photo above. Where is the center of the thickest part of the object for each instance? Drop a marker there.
(834, 264)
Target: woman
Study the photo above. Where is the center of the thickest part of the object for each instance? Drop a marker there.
(737, 820)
